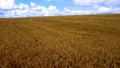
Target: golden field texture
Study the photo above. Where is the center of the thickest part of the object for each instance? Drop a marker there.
(86, 41)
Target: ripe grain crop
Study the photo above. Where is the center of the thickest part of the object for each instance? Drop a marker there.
(86, 41)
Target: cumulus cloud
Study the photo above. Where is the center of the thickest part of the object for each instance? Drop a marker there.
(88, 2)
(113, 3)
(23, 10)
(97, 2)
(32, 4)
(21, 6)
(8, 8)
(100, 6)
(6, 4)
(52, 10)
(105, 9)
(68, 11)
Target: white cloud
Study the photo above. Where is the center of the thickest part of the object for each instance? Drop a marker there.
(22, 6)
(24, 10)
(68, 11)
(112, 2)
(52, 10)
(32, 4)
(6, 4)
(104, 9)
(116, 10)
(21, 10)
(88, 2)
(100, 6)
(42, 11)
(97, 2)
(45, 11)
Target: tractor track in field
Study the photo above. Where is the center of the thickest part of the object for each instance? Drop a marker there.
(27, 36)
(30, 37)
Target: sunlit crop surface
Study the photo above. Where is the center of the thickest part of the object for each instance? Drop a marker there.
(86, 41)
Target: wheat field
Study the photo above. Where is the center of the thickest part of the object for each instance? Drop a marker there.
(83, 41)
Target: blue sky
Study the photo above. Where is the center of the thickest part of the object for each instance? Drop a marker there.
(26, 8)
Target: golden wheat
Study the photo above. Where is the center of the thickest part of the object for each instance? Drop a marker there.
(87, 41)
